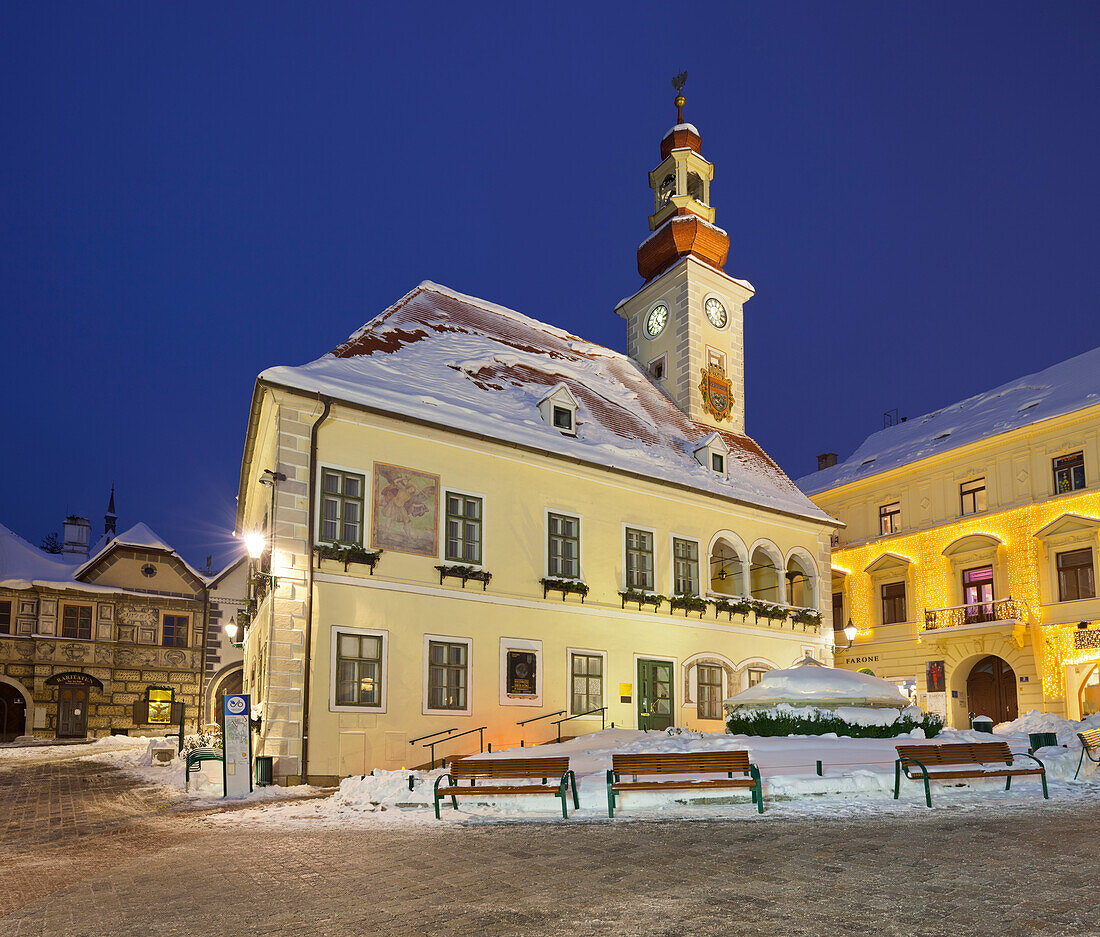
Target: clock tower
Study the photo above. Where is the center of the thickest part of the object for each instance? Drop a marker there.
(685, 325)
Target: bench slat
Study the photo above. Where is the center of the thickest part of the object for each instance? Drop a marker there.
(486, 790)
(508, 767)
(680, 762)
(682, 785)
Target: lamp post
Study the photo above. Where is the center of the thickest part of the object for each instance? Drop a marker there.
(232, 629)
(850, 632)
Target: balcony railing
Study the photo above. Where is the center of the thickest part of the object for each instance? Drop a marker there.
(998, 610)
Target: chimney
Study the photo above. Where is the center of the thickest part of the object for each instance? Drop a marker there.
(826, 460)
(78, 534)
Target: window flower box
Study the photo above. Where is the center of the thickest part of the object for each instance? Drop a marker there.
(348, 554)
(564, 586)
(465, 573)
(807, 617)
(689, 603)
(642, 598)
(768, 610)
(738, 607)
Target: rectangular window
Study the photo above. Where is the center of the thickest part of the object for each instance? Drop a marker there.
(639, 559)
(341, 506)
(685, 559)
(160, 704)
(978, 594)
(448, 672)
(889, 518)
(972, 496)
(77, 622)
(1069, 472)
(755, 676)
(564, 546)
(175, 631)
(587, 688)
(657, 368)
(718, 463)
(893, 603)
(710, 691)
(358, 670)
(838, 612)
(5, 617)
(463, 529)
(563, 419)
(1075, 575)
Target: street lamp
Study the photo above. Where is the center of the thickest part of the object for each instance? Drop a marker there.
(231, 631)
(850, 632)
(254, 543)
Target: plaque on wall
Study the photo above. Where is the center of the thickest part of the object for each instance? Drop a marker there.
(106, 613)
(521, 673)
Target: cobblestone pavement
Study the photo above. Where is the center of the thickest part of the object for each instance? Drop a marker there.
(107, 857)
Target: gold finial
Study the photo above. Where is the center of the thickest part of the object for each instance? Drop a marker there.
(678, 83)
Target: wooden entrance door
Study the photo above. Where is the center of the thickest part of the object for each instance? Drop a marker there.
(991, 690)
(654, 694)
(72, 711)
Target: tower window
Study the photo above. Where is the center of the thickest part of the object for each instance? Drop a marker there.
(657, 368)
(696, 189)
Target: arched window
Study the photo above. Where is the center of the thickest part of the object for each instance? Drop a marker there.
(801, 577)
(727, 572)
(764, 578)
(695, 188)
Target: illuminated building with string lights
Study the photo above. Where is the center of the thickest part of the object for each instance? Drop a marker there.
(967, 567)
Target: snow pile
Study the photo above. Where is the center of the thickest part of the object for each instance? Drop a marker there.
(810, 683)
(1065, 729)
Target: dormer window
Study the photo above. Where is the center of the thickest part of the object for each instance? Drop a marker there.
(711, 453)
(559, 410)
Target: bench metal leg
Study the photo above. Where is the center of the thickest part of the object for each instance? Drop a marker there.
(897, 778)
(610, 794)
(759, 789)
(1008, 782)
(1043, 778)
(1080, 761)
(927, 790)
(576, 799)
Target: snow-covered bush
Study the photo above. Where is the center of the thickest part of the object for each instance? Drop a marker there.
(808, 720)
(211, 739)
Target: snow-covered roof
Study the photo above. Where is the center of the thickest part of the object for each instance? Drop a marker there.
(809, 683)
(461, 362)
(142, 537)
(1062, 388)
(690, 127)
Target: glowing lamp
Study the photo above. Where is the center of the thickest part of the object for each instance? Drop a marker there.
(850, 632)
(231, 630)
(254, 543)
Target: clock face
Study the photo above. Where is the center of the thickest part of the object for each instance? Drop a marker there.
(716, 312)
(658, 316)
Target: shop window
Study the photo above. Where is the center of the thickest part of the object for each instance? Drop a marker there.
(639, 559)
(564, 546)
(889, 518)
(341, 506)
(463, 529)
(159, 700)
(709, 682)
(587, 683)
(448, 674)
(1076, 579)
(358, 670)
(174, 630)
(972, 496)
(1069, 472)
(893, 603)
(76, 622)
(685, 559)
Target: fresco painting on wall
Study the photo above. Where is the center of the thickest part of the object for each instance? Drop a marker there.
(405, 512)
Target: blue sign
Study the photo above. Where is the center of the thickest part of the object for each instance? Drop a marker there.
(236, 704)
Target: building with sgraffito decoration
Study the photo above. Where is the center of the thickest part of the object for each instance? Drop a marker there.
(474, 528)
(970, 549)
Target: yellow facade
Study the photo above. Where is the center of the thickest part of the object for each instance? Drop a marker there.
(404, 603)
(1047, 638)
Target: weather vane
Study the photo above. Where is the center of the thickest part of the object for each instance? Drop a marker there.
(678, 83)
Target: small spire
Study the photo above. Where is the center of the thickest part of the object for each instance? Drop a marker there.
(678, 83)
(110, 519)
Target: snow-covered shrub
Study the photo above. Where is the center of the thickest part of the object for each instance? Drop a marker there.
(211, 739)
(802, 720)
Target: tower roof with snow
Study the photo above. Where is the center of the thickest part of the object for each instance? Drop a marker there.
(455, 361)
(1062, 388)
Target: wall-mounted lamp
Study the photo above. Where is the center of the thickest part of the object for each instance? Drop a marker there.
(850, 632)
(232, 629)
(255, 542)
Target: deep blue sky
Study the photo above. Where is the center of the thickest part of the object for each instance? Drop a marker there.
(192, 193)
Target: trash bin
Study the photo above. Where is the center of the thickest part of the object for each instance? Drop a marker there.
(982, 724)
(265, 771)
(1042, 739)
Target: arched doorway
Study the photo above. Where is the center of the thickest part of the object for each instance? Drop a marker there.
(228, 681)
(13, 713)
(991, 689)
(1088, 694)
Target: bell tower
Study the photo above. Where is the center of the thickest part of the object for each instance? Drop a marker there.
(685, 325)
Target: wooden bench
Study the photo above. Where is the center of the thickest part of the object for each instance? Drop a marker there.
(554, 772)
(1090, 745)
(195, 758)
(952, 760)
(682, 763)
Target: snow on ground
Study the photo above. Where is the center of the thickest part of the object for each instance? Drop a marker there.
(857, 780)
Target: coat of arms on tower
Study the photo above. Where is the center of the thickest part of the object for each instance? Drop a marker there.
(717, 391)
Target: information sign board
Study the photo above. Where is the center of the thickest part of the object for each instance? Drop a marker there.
(237, 745)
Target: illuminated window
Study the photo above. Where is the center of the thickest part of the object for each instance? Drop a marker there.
(341, 507)
(160, 704)
(77, 622)
(1075, 575)
(358, 670)
(1069, 472)
(972, 496)
(448, 670)
(5, 617)
(639, 559)
(175, 631)
(893, 603)
(755, 676)
(587, 685)
(889, 518)
(710, 691)
(685, 558)
(463, 528)
(564, 546)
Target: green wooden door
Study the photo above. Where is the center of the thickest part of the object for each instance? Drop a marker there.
(654, 694)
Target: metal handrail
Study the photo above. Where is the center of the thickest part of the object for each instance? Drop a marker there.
(451, 738)
(524, 722)
(603, 718)
(433, 735)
